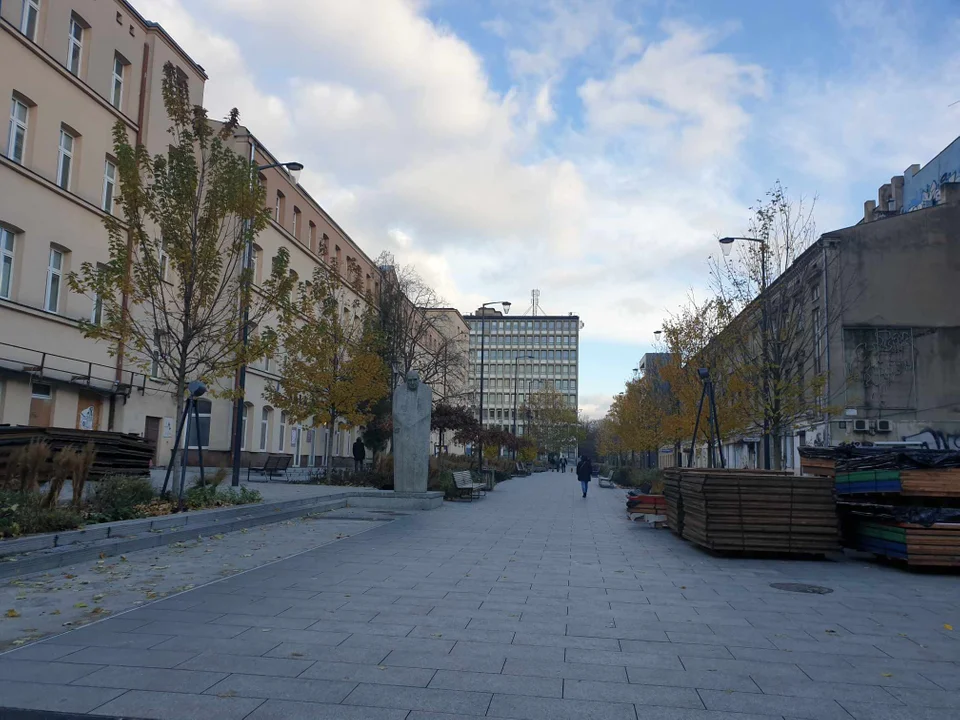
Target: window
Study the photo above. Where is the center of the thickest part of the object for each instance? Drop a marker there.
(65, 159)
(116, 90)
(51, 302)
(817, 341)
(17, 137)
(155, 363)
(29, 18)
(264, 427)
(243, 425)
(278, 210)
(201, 430)
(163, 260)
(75, 46)
(96, 313)
(283, 430)
(6, 262)
(313, 236)
(296, 222)
(255, 263)
(109, 186)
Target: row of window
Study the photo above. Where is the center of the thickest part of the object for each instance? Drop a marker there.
(20, 110)
(499, 327)
(509, 371)
(76, 32)
(531, 341)
(299, 439)
(492, 356)
(507, 384)
(55, 269)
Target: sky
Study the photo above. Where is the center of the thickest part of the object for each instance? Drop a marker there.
(592, 149)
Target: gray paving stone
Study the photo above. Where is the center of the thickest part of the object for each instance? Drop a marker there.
(297, 651)
(156, 612)
(867, 676)
(626, 659)
(367, 628)
(305, 637)
(528, 708)
(199, 630)
(13, 668)
(870, 711)
(573, 671)
(441, 661)
(408, 698)
(42, 651)
(671, 649)
(285, 710)
(58, 698)
(701, 679)
(376, 674)
(282, 688)
(246, 665)
(176, 706)
(565, 641)
(506, 684)
(259, 645)
(506, 650)
(645, 695)
(131, 657)
(923, 698)
(94, 637)
(388, 644)
(806, 708)
(137, 678)
(843, 692)
(257, 621)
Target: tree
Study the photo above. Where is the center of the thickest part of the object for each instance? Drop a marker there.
(417, 332)
(455, 418)
(551, 424)
(331, 368)
(771, 340)
(170, 292)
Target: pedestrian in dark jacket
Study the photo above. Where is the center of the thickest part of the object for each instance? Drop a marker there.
(584, 468)
(359, 455)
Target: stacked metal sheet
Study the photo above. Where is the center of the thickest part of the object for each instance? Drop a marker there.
(117, 453)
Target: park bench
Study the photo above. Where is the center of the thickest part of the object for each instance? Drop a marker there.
(465, 484)
(522, 470)
(273, 465)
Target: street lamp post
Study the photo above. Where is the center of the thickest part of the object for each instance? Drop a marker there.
(516, 372)
(483, 338)
(726, 244)
(294, 168)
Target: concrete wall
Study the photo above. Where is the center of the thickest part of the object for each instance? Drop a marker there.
(895, 348)
(922, 190)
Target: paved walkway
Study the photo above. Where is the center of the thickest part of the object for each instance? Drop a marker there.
(532, 604)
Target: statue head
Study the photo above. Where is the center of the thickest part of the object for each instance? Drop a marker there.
(413, 380)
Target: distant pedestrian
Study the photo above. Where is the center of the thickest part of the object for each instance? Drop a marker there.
(359, 455)
(584, 468)
(563, 464)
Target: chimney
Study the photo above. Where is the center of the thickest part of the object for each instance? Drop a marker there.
(950, 194)
(897, 183)
(868, 207)
(912, 170)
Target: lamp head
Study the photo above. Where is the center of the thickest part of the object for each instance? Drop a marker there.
(506, 307)
(726, 245)
(196, 388)
(704, 373)
(294, 169)
(657, 333)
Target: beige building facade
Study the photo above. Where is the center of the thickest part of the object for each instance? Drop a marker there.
(71, 70)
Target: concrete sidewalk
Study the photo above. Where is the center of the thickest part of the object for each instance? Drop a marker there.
(532, 604)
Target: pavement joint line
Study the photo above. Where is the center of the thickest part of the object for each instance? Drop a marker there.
(198, 587)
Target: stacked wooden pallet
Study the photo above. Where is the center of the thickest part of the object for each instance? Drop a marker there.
(898, 504)
(671, 493)
(753, 512)
(937, 545)
(117, 453)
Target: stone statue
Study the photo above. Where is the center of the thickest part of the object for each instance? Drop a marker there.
(412, 407)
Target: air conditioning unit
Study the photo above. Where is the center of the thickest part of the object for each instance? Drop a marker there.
(860, 426)
(884, 426)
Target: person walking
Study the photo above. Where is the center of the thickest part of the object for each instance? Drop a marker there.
(359, 455)
(584, 468)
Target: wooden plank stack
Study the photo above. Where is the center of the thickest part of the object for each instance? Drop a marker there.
(754, 512)
(117, 453)
(671, 493)
(899, 504)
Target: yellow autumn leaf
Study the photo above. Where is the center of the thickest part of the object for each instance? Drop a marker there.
(887, 674)
(11, 613)
(80, 605)
(947, 626)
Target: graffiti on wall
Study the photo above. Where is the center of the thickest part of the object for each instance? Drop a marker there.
(923, 189)
(879, 366)
(934, 439)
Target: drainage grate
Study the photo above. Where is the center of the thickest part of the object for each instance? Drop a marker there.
(802, 588)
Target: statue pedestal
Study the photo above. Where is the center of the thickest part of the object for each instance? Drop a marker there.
(412, 407)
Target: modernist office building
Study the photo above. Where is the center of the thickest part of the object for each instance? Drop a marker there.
(528, 353)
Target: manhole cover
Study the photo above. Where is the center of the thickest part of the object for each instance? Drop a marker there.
(802, 588)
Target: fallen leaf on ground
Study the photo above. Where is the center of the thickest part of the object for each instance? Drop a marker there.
(947, 626)
(55, 612)
(887, 674)
(80, 605)
(11, 613)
